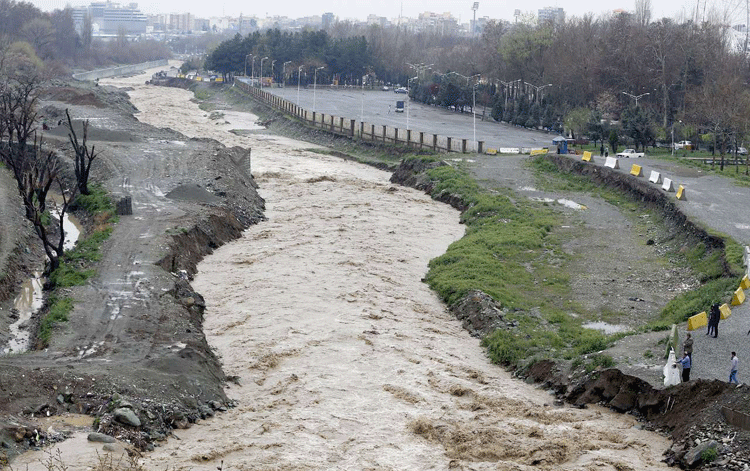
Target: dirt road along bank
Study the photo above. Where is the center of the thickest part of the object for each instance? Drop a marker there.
(134, 340)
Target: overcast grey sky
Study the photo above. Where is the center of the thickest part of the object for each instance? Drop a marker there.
(359, 9)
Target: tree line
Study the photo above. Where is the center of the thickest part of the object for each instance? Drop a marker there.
(581, 76)
(52, 39)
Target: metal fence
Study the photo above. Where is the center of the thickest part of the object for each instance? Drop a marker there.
(366, 131)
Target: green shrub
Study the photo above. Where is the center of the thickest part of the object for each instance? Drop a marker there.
(709, 455)
(58, 312)
(97, 202)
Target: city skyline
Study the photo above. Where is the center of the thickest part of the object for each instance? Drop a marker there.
(391, 9)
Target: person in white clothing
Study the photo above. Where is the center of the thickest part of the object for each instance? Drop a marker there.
(733, 369)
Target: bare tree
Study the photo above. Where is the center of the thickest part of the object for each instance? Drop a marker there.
(84, 156)
(34, 169)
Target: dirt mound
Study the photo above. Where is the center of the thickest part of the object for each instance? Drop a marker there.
(193, 192)
(73, 96)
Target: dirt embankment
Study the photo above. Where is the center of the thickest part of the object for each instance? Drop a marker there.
(133, 353)
(691, 412)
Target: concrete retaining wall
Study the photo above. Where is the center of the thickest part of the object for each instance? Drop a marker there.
(120, 70)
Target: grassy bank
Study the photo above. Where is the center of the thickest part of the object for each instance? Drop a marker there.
(512, 252)
(75, 265)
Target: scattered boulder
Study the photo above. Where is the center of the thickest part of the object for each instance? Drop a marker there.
(127, 417)
(695, 454)
(100, 438)
(478, 312)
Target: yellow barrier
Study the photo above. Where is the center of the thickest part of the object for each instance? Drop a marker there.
(725, 311)
(681, 193)
(698, 320)
(745, 283)
(636, 170)
(491, 152)
(587, 157)
(738, 298)
(539, 151)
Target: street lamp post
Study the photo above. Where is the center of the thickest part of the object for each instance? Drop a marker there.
(538, 89)
(249, 55)
(507, 89)
(299, 77)
(315, 86)
(272, 63)
(408, 100)
(283, 73)
(252, 73)
(261, 71)
(636, 97)
(673, 137)
(473, 108)
(474, 101)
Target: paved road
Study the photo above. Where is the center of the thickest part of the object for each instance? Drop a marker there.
(378, 107)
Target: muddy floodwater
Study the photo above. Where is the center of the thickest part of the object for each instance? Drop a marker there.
(345, 359)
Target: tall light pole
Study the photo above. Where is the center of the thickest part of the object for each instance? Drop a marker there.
(420, 68)
(283, 73)
(473, 107)
(407, 100)
(315, 85)
(636, 97)
(673, 137)
(299, 78)
(272, 63)
(261, 71)
(474, 101)
(252, 73)
(249, 55)
(538, 89)
(474, 7)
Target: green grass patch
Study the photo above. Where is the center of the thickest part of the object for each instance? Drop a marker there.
(98, 201)
(511, 251)
(73, 269)
(59, 308)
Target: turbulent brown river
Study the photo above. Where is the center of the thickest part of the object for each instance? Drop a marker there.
(346, 359)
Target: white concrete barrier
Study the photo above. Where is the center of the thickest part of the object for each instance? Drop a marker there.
(655, 177)
(612, 162)
(509, 150)
(667, 185)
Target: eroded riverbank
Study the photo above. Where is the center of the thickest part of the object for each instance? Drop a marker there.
(345, 359)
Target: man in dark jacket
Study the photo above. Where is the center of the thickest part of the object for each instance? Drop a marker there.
(713, 320)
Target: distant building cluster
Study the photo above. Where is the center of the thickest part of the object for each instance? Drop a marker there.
(551, 15)
(110, 19)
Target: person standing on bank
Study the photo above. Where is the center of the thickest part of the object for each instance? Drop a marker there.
(686, 365)
(713, 320)
(687, 346)
(733, 369)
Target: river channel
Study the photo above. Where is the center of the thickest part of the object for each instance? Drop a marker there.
(344, 358)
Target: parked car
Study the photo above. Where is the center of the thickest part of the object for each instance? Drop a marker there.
(400, 106)
(741, 151)
(687, 145)
(401, 90)
(627, 153)
(386, 88)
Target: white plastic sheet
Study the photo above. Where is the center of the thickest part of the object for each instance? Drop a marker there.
(671, 372)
